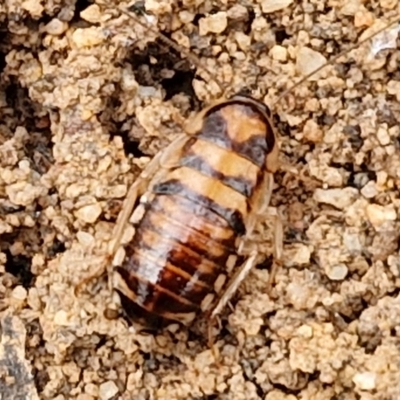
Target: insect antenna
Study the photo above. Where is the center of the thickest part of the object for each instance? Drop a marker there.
(337, 57)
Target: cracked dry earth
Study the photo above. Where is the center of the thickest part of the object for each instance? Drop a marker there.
(88, 96)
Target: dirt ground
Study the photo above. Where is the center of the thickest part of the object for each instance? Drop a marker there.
(88, 96)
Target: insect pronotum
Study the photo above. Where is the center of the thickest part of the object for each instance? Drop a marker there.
(193, 208)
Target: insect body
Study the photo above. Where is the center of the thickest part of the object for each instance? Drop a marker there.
(203, 196)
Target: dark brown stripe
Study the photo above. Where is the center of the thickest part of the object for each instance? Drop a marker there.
(146, 291)
(169, 281)
(238, 183)
(175, 187)
(184, 207)
(198, 243)
(182, 255)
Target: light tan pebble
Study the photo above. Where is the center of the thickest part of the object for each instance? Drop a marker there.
(253, 326)
(369, 190)
(89, 213)
(19, 293)
(269, 6)
(134, 380)
(393, 88)
(158, 7)
(88, 37)
(378, 215)
(14, 221)
(61, 318)
(5, 227)
(237, 12)
(108, 390)
(312, 105)
(92, 389)
(363, 18)
(186, 17)
(85, 396)
(309, 60)
(215, 23)
(381, 178)
(56, 27)
(339, 198)
(394, 264)
(365, 380)
(128, 81)
(23, 193)
(34, 299)
(351, 240)
(297, 254)
(305, 331)
(28, 221)
(350, 7)
(91, 14)
(383, 136)
(85, 239)
(312, 132)
(337, 272)
(242, 40)
(279, 53)
(34, 7)
(388, 4)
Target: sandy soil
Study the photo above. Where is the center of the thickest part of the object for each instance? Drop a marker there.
(88, 96)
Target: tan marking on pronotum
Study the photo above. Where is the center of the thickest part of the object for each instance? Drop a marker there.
(242, 126)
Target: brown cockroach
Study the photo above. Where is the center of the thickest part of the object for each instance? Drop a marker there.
(194, 208)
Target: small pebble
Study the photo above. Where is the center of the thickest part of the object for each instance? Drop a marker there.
(306, 331)
(377, 214)
(312, 132)
(87, 37)
(383, 136)
(297, 254)
(19, 293)
(369, 190)
(365, 380)
(279, 53)
(237, 12)
(337, 272)
(269, 6)
(91, 14)
(108, 390)
(89, 214)
(56, 27)
(309, 60)
(339, 198)
(61, 318)
(215, 23)
(85, 239)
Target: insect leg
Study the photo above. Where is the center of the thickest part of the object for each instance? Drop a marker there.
(278, 245)
(234, 283)
(261, 209)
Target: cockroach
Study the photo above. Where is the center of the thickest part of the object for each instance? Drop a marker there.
(194, 209)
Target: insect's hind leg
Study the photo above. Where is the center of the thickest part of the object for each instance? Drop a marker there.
(277, 245)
